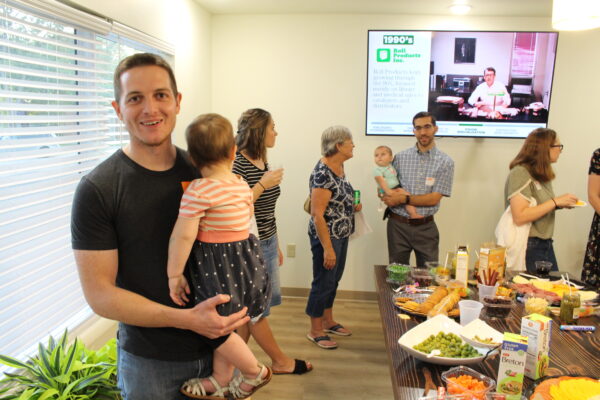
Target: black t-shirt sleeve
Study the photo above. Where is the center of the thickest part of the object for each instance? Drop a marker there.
(92, 227)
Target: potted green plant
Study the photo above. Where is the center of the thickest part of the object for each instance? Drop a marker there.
(60, 371)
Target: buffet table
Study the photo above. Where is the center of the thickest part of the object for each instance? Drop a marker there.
(570, 352)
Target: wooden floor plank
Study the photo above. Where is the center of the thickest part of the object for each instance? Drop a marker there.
(357, 370)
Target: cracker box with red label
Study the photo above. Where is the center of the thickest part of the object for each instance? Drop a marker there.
(538, 329)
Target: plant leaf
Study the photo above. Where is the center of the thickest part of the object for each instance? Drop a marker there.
(42, 375)
(56, 357)
(75, 385)
(51, 343)
(44, 358)
(49, 393)
(80, 366)
(13, 362)
(92, 394)
(17, 378)
(64, 379)
(64, 339)
(86, 381)
(67, 367)
(27, 394)
(63, 373)
(5, 389)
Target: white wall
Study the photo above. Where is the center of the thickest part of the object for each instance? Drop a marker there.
(183, 23)
(310, 72)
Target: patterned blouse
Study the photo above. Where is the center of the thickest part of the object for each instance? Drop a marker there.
(591, 262)
(339, 214)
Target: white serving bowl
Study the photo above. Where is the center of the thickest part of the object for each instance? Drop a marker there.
(479, 328)
(439, 323)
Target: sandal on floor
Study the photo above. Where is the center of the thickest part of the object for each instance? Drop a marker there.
(193, 388)
(300, 367)
(336, 330)
(237, 392)
(317, 340)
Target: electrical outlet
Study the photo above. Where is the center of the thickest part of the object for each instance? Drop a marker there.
(291, 250)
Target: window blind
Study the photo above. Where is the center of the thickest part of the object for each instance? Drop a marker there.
(56, 124)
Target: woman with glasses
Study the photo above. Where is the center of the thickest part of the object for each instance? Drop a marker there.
(531, 197)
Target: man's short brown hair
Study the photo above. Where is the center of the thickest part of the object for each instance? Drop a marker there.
(424, 114)
(141, 60)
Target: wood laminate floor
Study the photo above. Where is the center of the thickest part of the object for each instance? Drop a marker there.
(357, 369)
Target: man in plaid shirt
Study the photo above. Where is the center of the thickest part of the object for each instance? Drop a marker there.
(425, 174)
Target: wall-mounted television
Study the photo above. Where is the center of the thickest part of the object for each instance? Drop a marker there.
(476, 83)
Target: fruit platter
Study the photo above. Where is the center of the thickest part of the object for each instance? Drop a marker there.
(565, 387)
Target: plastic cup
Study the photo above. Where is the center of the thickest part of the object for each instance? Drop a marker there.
(469, 311)
(485, 290)
(275, 166)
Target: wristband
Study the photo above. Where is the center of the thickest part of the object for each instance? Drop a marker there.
(555, 205)
(264, 188)
(407, 199)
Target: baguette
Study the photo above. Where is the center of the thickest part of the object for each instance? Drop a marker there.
(432, 300)
(446, 304)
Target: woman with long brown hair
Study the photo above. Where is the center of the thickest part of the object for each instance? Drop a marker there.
(256, 133)
(531, 197)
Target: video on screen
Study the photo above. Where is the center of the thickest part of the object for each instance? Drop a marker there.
(477, 84)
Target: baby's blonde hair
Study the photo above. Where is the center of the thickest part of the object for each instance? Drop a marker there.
(389, 150)
(209, 139)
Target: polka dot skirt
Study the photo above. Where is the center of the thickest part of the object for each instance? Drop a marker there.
(236, 269)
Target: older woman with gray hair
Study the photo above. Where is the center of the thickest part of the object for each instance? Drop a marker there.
(331, 223)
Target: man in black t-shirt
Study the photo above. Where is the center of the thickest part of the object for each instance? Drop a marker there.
(123, 214)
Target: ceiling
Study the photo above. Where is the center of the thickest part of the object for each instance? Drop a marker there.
(502, 8)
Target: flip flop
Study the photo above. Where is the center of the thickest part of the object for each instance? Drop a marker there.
(336, 330)
(317, 340)
(300, 367)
